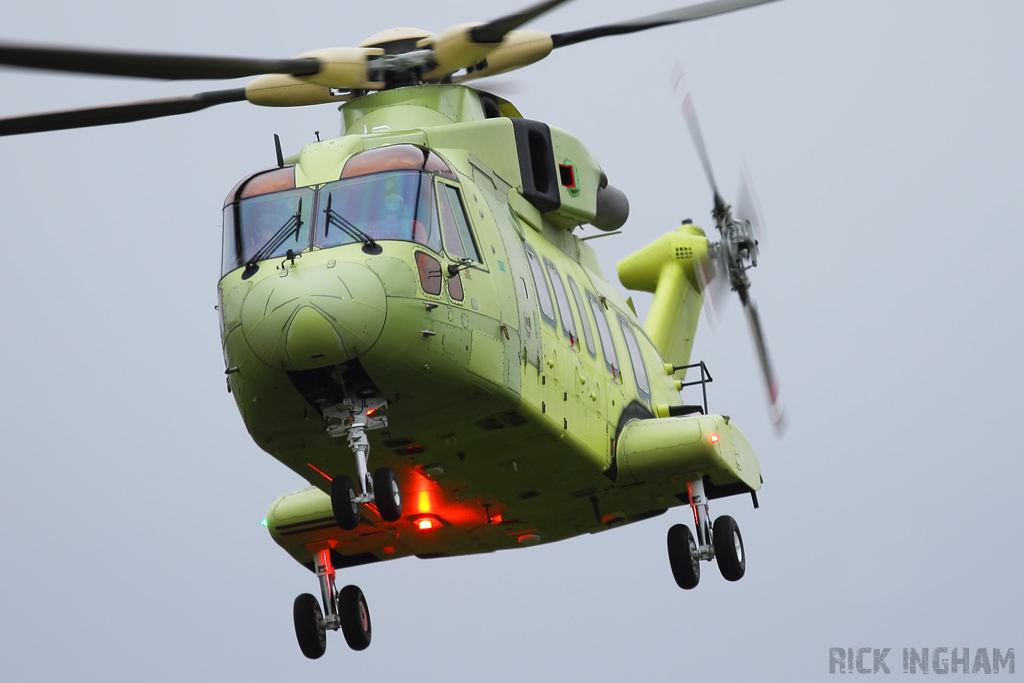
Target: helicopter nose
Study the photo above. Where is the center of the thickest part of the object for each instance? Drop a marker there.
(314, 317)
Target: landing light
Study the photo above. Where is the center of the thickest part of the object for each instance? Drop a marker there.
(714, 438)
(371, 412)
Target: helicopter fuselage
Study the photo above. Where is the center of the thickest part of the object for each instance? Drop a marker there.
(510, 368)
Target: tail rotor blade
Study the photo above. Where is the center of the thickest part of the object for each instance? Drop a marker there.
(713, 281)
(768, 373)
(747, 206)
(690, 116)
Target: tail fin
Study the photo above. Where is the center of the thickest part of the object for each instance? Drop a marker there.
(666, 267)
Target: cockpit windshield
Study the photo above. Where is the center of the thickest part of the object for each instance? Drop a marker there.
(266, 225)
(387, 193)
(393, 205)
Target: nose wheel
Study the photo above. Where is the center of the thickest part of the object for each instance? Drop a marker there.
(344, 502)
(722, 542)
(345, 609)
(382, 488)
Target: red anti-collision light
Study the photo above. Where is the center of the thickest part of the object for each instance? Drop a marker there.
(321, 472)
(425, 524)
(714, 438)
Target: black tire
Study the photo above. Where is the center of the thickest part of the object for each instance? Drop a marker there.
(343, 502)
(311, 635)
(732, 561)
(355, 617)
(387, 494)
(682, 556)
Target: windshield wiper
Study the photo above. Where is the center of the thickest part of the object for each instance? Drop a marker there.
(370, 245)
(294, 223)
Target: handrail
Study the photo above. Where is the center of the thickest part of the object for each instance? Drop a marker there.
(705, 379)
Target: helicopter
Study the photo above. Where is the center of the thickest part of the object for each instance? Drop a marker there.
(414, 290)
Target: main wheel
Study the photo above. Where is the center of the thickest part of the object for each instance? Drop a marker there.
(732, 561)
(387, 494)
(343, 502)
(355, 617)
(309, 630)
(682, 556)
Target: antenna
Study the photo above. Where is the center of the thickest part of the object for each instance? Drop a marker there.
(277, 148)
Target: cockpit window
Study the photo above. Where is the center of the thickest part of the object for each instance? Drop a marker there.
(392, 205)
(264, 217)
(394, 158)
(458, 241)
(263, 182)
(386, 193)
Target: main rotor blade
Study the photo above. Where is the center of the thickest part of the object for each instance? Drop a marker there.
(143, 65)
(771, 382)
(494, 31)
(117, 113)
(691, 13)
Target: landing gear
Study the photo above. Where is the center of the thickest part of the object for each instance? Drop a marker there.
(360, 415)
(387, 494)
(345, 609)
(344, 502)
(309, 626)
(682, 556)
(355, 617)
(722, 541)
(729, 548)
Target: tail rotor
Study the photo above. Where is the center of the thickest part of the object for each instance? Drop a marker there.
(733, 255)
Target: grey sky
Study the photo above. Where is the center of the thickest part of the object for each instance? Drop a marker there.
(885, 139)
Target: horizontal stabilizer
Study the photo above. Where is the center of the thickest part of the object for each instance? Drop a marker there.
(687, 448)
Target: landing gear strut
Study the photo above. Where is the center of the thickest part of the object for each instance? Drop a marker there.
(353, 422)
(345, 609)
(721, 541)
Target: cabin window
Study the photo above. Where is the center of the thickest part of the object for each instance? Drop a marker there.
(392, 205)
(458, 240)
(547, 310)
(588, 334)
(430, 273)
(611, 359)
(265, 215)
(635, 358)
(562, 299)
(455, 290)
